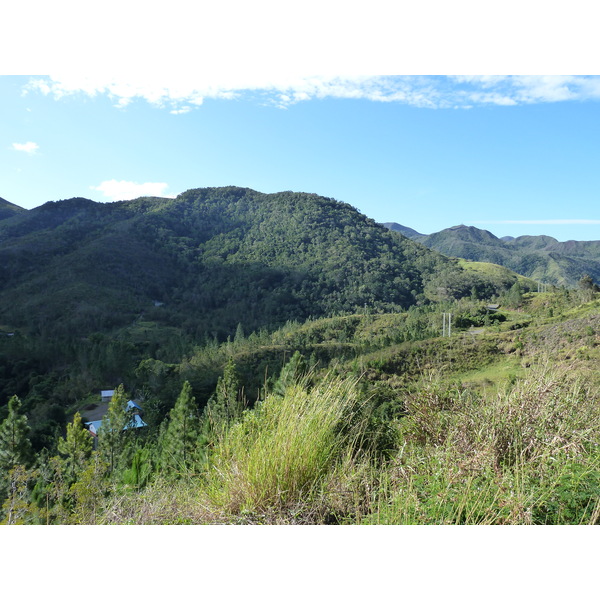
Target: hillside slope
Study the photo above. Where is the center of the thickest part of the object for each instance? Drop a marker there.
(88, 290)
(205, 261)
(8, 209)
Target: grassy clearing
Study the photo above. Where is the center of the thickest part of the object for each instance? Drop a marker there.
(528, 456)
(491, 269)
(494, 377)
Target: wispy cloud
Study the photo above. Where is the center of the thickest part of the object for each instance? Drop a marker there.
(28, 147)
(542, 222)
(182, 94)
(128, 190)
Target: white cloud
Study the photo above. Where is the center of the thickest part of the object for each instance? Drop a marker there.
(181, 111)
(128, 190)
(28, 147)
(180, 94)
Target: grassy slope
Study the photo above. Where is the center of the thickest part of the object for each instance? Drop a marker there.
(500, 427)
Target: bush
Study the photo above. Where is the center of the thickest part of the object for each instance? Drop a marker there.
(281, 455)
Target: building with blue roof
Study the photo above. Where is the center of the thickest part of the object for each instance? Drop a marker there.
(136, 421)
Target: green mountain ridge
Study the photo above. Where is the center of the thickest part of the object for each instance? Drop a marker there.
(8, 209)
(541, 257)
(294, 363)
(257, 258)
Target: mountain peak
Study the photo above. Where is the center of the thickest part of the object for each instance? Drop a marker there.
(405, 231)
(468, 233)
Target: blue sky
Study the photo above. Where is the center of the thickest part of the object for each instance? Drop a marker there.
(513, 154)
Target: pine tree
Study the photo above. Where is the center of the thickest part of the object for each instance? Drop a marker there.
(18, 508)
(111, 437)
(181, 438)
(239, 335)
(15, 446)
(227, 403)
(77, 446)
(291, 373)
(515, 295)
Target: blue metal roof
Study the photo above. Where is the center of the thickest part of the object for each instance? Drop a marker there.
(93, 426)
(135, 423)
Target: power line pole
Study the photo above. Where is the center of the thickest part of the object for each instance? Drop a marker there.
(446, 329)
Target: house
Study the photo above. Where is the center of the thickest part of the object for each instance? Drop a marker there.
(135, 422)
(107, 395)
(136, 416)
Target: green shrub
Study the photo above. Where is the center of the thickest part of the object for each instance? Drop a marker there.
(280, 454)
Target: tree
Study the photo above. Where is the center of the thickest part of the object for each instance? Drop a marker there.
(227, 403)
(587, 283)
(17, 508)
(111, 438)
(291, 373)
(181, 438)
(515, 295)
(239, 335)
(77, 446)
(15, 446)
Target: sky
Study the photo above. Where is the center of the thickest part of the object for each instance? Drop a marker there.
(515, 153)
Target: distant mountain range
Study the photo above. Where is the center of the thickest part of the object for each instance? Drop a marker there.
(539, 257)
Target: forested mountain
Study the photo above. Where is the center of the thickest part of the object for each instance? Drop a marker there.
(89, 290)
(541, 257)
(406, 231)
(205, 261)
(8, 209)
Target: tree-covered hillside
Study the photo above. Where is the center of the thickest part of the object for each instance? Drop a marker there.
(205, 261)
(293, 362)
(365, 418)
(8, 209)
(540, 257)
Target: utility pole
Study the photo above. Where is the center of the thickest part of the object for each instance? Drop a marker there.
(446, 330)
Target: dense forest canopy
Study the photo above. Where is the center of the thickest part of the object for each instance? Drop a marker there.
(223, 255)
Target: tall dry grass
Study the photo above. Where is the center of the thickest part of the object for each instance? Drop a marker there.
(529, 455)
(289, 455)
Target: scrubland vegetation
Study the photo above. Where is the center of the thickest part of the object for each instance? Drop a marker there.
(396, 432)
